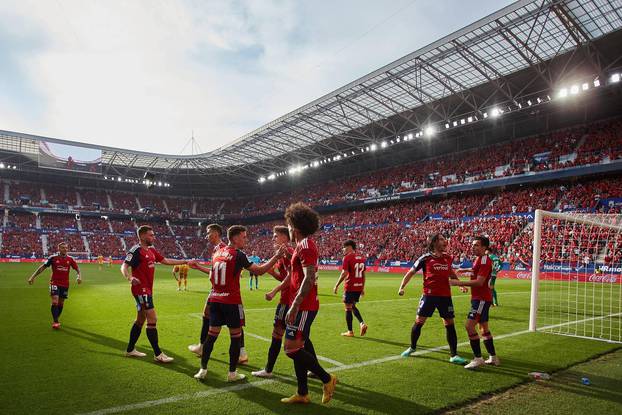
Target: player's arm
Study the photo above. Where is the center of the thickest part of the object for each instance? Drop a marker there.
(307, 284)
(270, 295)
(127, 273)
(480, 281)
(171, 261)
(38, 271)
(75, 266)
(453, 276)
(175, 275)
(342, 277)
(406, 280)
(263, 268)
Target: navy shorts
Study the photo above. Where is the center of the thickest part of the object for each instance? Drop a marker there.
(429, 303)
(301, 327)
(351, 297)
(479, 311)
(61, 292)
(279, 315)
(230, 315)
(144, 302)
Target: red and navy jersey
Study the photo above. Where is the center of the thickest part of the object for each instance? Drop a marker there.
(482, 267)
(227, 266)
(354, 265)
(283, 267)
(306, 254)
(142, 261)
(436, 272)
(60, 269)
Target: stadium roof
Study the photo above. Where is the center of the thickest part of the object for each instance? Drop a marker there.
(430, 86)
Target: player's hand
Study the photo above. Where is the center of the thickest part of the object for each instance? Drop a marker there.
(454, 283)
(269, 296)
(193, 264)
(363, 293)
(79, 280)
(335, 290)
(464, 289)
(400, 292)
(31, 280)
(290, 317)
(134, 281)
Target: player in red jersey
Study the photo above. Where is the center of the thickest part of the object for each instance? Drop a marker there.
(353, 272)
(225, 300)
(280, 237)
(481, 300)
(437, 272)
(59, 282)
(214, 237)
(142, 259)
(303, 222)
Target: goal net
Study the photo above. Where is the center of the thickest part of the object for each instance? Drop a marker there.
(576, 286)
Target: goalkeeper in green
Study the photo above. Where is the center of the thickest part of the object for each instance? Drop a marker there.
(496, 267)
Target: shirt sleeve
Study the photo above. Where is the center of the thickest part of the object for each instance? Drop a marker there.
(242, 260)
(485, 266)
(419, 264)
(74, 264)
(345, 263)
(133, 258)
(308, 257)
(158, 256)
(48, 262)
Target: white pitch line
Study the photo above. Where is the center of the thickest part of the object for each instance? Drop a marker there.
(200, 315)
(325, 359)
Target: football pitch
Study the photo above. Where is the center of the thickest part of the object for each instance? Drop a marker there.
(81, 368)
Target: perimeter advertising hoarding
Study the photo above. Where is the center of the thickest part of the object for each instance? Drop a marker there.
(70, 158)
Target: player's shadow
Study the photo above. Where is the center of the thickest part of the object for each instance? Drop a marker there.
(376, 340)
(180, 364)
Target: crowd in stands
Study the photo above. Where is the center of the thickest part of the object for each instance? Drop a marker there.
(54, 221)
(106, 245)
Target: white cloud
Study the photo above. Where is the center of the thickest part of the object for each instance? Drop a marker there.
(143, 75)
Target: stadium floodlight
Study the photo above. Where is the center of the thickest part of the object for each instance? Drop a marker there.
(529, 102)
(2, 165)
(470, 119)
(383, 144)
(272, 176)
(410, 136)
(585, 86)
(447, 126)
(596, 83)
(495, 112)
(261, 179)
(563, 93)
(315, 163)
(462, 121)
(539, 100)
(430, 131)
(392, 142)
(373, 147)
(397, 139)
(455, 123)
(615, 78)
(574, 90)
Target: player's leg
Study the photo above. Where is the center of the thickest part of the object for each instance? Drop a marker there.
(61, 304)
(295, 338)
(54, 307)
(152, 335)
(250, 280)
(473, 318)
(493, 281)
(208, 346)
(141, 317)
(256, 282)
(348, 308)
(493, 359)
(357, 314)
(198, 348)
(425, 310)
(277, 340)
(185, 283)
(445, 308)
(239, 315)
(234, 353)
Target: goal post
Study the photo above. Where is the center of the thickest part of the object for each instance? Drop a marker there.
(576, 275)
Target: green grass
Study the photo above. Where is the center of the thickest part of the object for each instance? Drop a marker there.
(81, 368)
(564, 393)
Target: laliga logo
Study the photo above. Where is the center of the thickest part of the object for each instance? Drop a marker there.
(603, 278)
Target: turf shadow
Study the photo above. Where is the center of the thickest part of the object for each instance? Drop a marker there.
(383, 341)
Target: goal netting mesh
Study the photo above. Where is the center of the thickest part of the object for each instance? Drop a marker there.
(577, 275)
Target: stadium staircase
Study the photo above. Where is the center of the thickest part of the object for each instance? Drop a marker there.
(123, 244)
(194, 207)
(7, 193)
(42, 193)
(86, 245)
(44, 244)
(78, 199)
(110, 204)
(166, 209)
(5, 218)
(181, 249)
(138, 203)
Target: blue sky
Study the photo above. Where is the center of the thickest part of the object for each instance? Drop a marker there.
(145, 74)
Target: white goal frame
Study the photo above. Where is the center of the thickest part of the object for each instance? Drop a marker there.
(537, 249)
